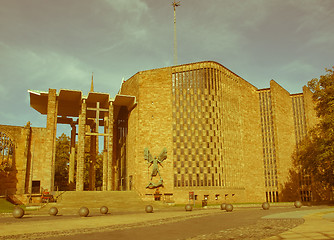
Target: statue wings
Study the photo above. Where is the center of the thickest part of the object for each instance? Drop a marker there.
(163, 155)
(148, 156)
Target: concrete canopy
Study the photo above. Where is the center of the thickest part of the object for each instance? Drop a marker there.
(69, 102)
(125, 100)
(94, 97)
(39, 101)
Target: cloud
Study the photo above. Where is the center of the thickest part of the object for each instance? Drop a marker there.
(294, 74)
(208, 33)
(321, 38)
(137, 7)
(314, 22)
(297, 66)
(58, 44)
(130, 16)
(7, 117)
(311, 13)
(25, 68)
(3, 92)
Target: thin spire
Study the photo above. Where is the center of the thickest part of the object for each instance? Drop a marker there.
(92, 84)
(175, 4)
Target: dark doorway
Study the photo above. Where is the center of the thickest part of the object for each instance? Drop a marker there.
(36, 187)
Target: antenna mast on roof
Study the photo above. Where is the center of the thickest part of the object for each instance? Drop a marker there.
(175, 4)
(92, 84)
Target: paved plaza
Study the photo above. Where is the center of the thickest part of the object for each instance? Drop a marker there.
(245, 222)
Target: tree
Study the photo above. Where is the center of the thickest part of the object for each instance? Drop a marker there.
(98, 170)
(315, 154)
(62, 160)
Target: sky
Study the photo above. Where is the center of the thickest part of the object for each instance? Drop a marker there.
(58, 44)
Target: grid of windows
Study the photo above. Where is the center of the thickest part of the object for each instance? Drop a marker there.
(268, 146)
(207, 118)
(299, 117)
(300, 133)
(197, 137)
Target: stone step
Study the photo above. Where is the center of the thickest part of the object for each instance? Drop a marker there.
(96, 195)
(121, 200)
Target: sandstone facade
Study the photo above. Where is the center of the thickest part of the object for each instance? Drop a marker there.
(30, 168)
(226, 140)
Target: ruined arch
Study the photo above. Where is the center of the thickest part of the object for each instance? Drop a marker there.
(7, 149)
(8, 169)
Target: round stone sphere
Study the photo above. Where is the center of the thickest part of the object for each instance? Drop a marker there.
(229, 207)
(83, 212)
(189, 207)
(265, 206)
(104, 210)
(18, 212)
(223, 206)
(149, 209)
(298, 204)
(53, 211)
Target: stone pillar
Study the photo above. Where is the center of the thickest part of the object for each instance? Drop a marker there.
(105, 171)
(110, 146)
(51, 125)
(24, 169)
(105, 152)
(72, 155)
(81, 148)
(92, 162)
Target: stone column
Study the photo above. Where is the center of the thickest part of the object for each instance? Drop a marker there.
(105, 153)
(72, 155)
(24, 170)
(92, 163)
(81, 148)
(110, 147)
(51, 125)
(105, 170)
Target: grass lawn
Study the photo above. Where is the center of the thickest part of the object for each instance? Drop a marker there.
(5, 206)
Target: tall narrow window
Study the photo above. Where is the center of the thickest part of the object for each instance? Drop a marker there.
(6, 152)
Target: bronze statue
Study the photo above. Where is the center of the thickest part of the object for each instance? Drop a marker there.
(156, 161)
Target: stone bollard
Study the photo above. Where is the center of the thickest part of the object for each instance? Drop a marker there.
(189, 207)
(104, 210)
(265, 206)
(149, 209)
(229, 207)
(223, 206)
(18, 212)
(83, 212)
(53, 211)
(298, 204)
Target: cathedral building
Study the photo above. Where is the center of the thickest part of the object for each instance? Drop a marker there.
(184, 133)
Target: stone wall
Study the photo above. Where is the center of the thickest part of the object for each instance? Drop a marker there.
(41, 158)
(149, 126)
(310, 113)
(9, 179)
(131, 87)
(31, 160)
(209, 119)
(222, 135)
(285, 139)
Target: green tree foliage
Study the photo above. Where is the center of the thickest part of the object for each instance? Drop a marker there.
(62, 165)
(315, 154)
(62, 159)
(98, 170)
